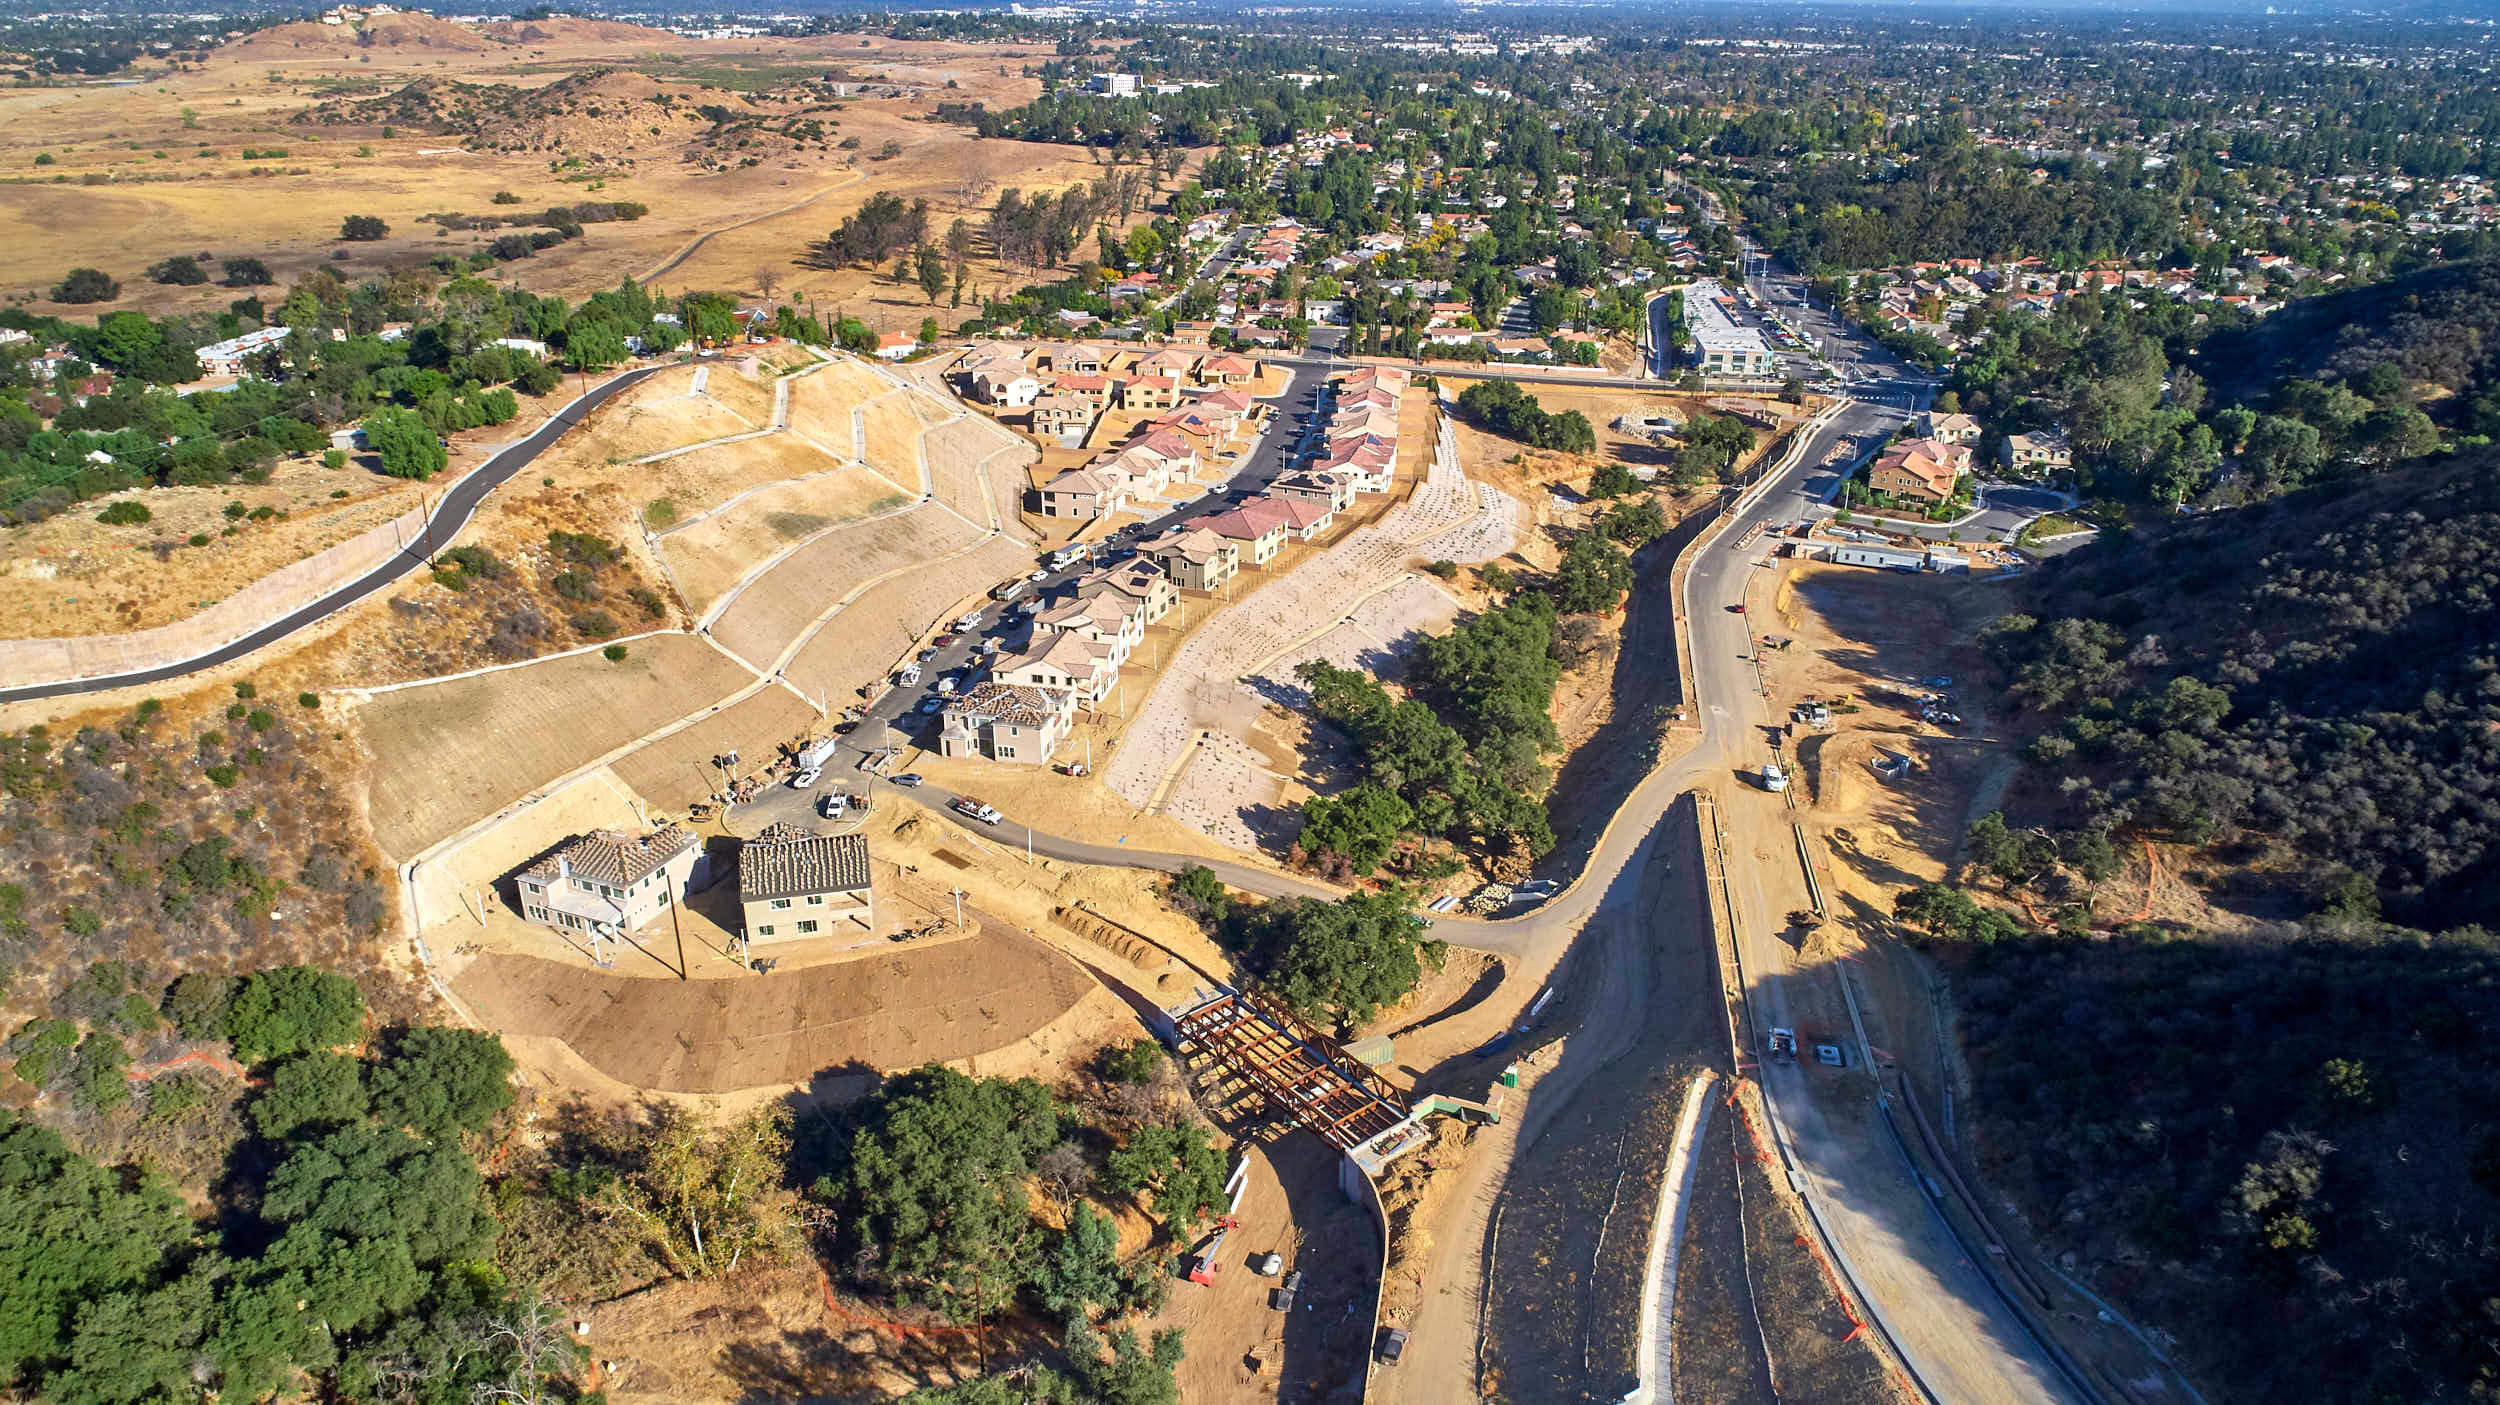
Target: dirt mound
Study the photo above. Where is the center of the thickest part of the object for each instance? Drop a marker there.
(596, 114)
(404, 29)
(574, 29)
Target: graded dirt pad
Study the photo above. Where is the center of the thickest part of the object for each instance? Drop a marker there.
(708, 557)
(894, 435)
(677, 770)
(446, 754)
(749, 386)
(976, 468)
(821, 403)
(778, 606)
(700, 480)
(1242, 1350)
(951, 1001)
(872, 632)
(664, 412)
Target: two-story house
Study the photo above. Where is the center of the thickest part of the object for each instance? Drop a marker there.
(1008, 722)
(793, 885)
(610, 882)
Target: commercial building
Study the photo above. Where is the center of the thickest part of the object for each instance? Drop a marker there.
(1721, 346)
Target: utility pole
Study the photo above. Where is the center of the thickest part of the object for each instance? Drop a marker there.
(959, 905)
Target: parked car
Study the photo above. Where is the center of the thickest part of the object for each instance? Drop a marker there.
(1392, 1345)
(908, 780)
(804, 779)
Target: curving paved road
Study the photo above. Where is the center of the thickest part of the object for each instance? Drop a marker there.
(1958, 1335)
(459, 504)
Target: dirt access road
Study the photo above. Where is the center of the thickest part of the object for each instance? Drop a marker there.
(1956, 1334)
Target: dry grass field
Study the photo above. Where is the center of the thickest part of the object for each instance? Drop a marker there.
(446, 754)
(72, 575)
(708, 557)
(140, 173)
(784, 601)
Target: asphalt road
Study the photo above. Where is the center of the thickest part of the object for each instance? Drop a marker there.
(1943, 1312)
(448, 517)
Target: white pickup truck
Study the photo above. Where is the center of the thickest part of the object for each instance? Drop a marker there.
(986, 814)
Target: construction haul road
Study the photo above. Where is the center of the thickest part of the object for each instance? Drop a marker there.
(1957, 1338)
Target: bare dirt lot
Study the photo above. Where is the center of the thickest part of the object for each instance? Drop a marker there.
(950, 1002)
(676, 771)
(1242, 1350)
(710, 557)
(445, 754)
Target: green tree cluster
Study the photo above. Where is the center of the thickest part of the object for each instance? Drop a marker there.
(1505, 409)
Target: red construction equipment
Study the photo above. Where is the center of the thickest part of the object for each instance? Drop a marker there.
(1202, 1260)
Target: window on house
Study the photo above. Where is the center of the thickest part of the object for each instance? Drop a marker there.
(780, 903)
(807, 925)
(764, 931)
(815, 900)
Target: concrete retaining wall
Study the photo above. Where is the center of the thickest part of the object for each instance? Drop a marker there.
(1359, 1188)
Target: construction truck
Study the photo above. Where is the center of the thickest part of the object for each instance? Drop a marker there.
(1774, 779)
(1784, 1044)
